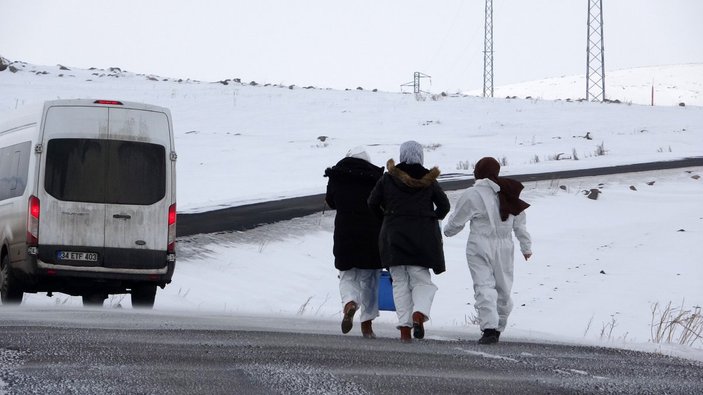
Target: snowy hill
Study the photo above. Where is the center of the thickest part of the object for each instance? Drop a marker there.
(222, 127)
(672, 85)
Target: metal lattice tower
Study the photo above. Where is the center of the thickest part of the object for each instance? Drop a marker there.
(417, 76)
(488, 51)
(595, 60)
(416, 82)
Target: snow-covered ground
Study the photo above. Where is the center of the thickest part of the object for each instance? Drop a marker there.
(239, 143)
(672, 85)
(599, 265)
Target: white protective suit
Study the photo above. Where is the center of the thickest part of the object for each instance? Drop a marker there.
(361, 286)
(413, 290)
(489, 250)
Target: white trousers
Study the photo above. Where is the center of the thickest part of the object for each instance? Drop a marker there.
(491, 265)
(413, 290)
(361, 286)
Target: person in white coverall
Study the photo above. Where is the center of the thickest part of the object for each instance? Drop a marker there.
(495, 211)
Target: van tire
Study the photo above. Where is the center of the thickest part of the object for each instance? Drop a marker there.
(94, 300)
(10, 289)
(143, 296)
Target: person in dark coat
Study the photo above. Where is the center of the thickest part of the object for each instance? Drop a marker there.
(356, 231)
(411, 203)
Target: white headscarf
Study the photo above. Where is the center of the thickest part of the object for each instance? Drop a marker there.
(411, 153)
(359, 152)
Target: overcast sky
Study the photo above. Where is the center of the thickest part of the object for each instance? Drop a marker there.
(345, 44)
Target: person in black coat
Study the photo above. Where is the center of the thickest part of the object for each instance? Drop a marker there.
(411, 203)
(356, 231)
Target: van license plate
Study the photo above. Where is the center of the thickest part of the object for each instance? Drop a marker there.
(77, 256)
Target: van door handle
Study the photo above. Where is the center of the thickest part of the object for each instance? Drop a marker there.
(122, 216)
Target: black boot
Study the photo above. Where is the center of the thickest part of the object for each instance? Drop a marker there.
(490, 336)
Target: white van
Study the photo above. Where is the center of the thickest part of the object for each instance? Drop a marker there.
(87, 201)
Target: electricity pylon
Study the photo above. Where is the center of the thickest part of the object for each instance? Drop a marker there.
(595, 60)
(488, 51)
(417, 76)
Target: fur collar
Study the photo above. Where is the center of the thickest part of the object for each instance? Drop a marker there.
(406, 179)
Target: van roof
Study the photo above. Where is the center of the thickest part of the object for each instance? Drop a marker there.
(26, 115)
(32, 113)
(104, 103)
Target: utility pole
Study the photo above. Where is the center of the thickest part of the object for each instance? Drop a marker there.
(417, 76)
(488, 51)
(595, 60)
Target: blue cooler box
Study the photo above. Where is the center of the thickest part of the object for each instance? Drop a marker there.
(385, 292)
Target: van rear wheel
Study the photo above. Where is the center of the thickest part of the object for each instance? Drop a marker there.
(94, 299)
(10, 289)
(143, 296)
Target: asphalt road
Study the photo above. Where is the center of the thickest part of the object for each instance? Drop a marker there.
(245, 217)
(114, 351)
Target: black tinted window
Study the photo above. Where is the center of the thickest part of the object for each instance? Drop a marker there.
(105, 171)
(14, 169)
(136, 172)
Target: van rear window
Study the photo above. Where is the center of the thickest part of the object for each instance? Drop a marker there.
(105, 171)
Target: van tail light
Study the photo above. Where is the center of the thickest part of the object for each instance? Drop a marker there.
(109, 102)
(171, 248)
(33, 222)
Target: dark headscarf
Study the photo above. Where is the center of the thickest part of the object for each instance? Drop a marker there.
(509, 194)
